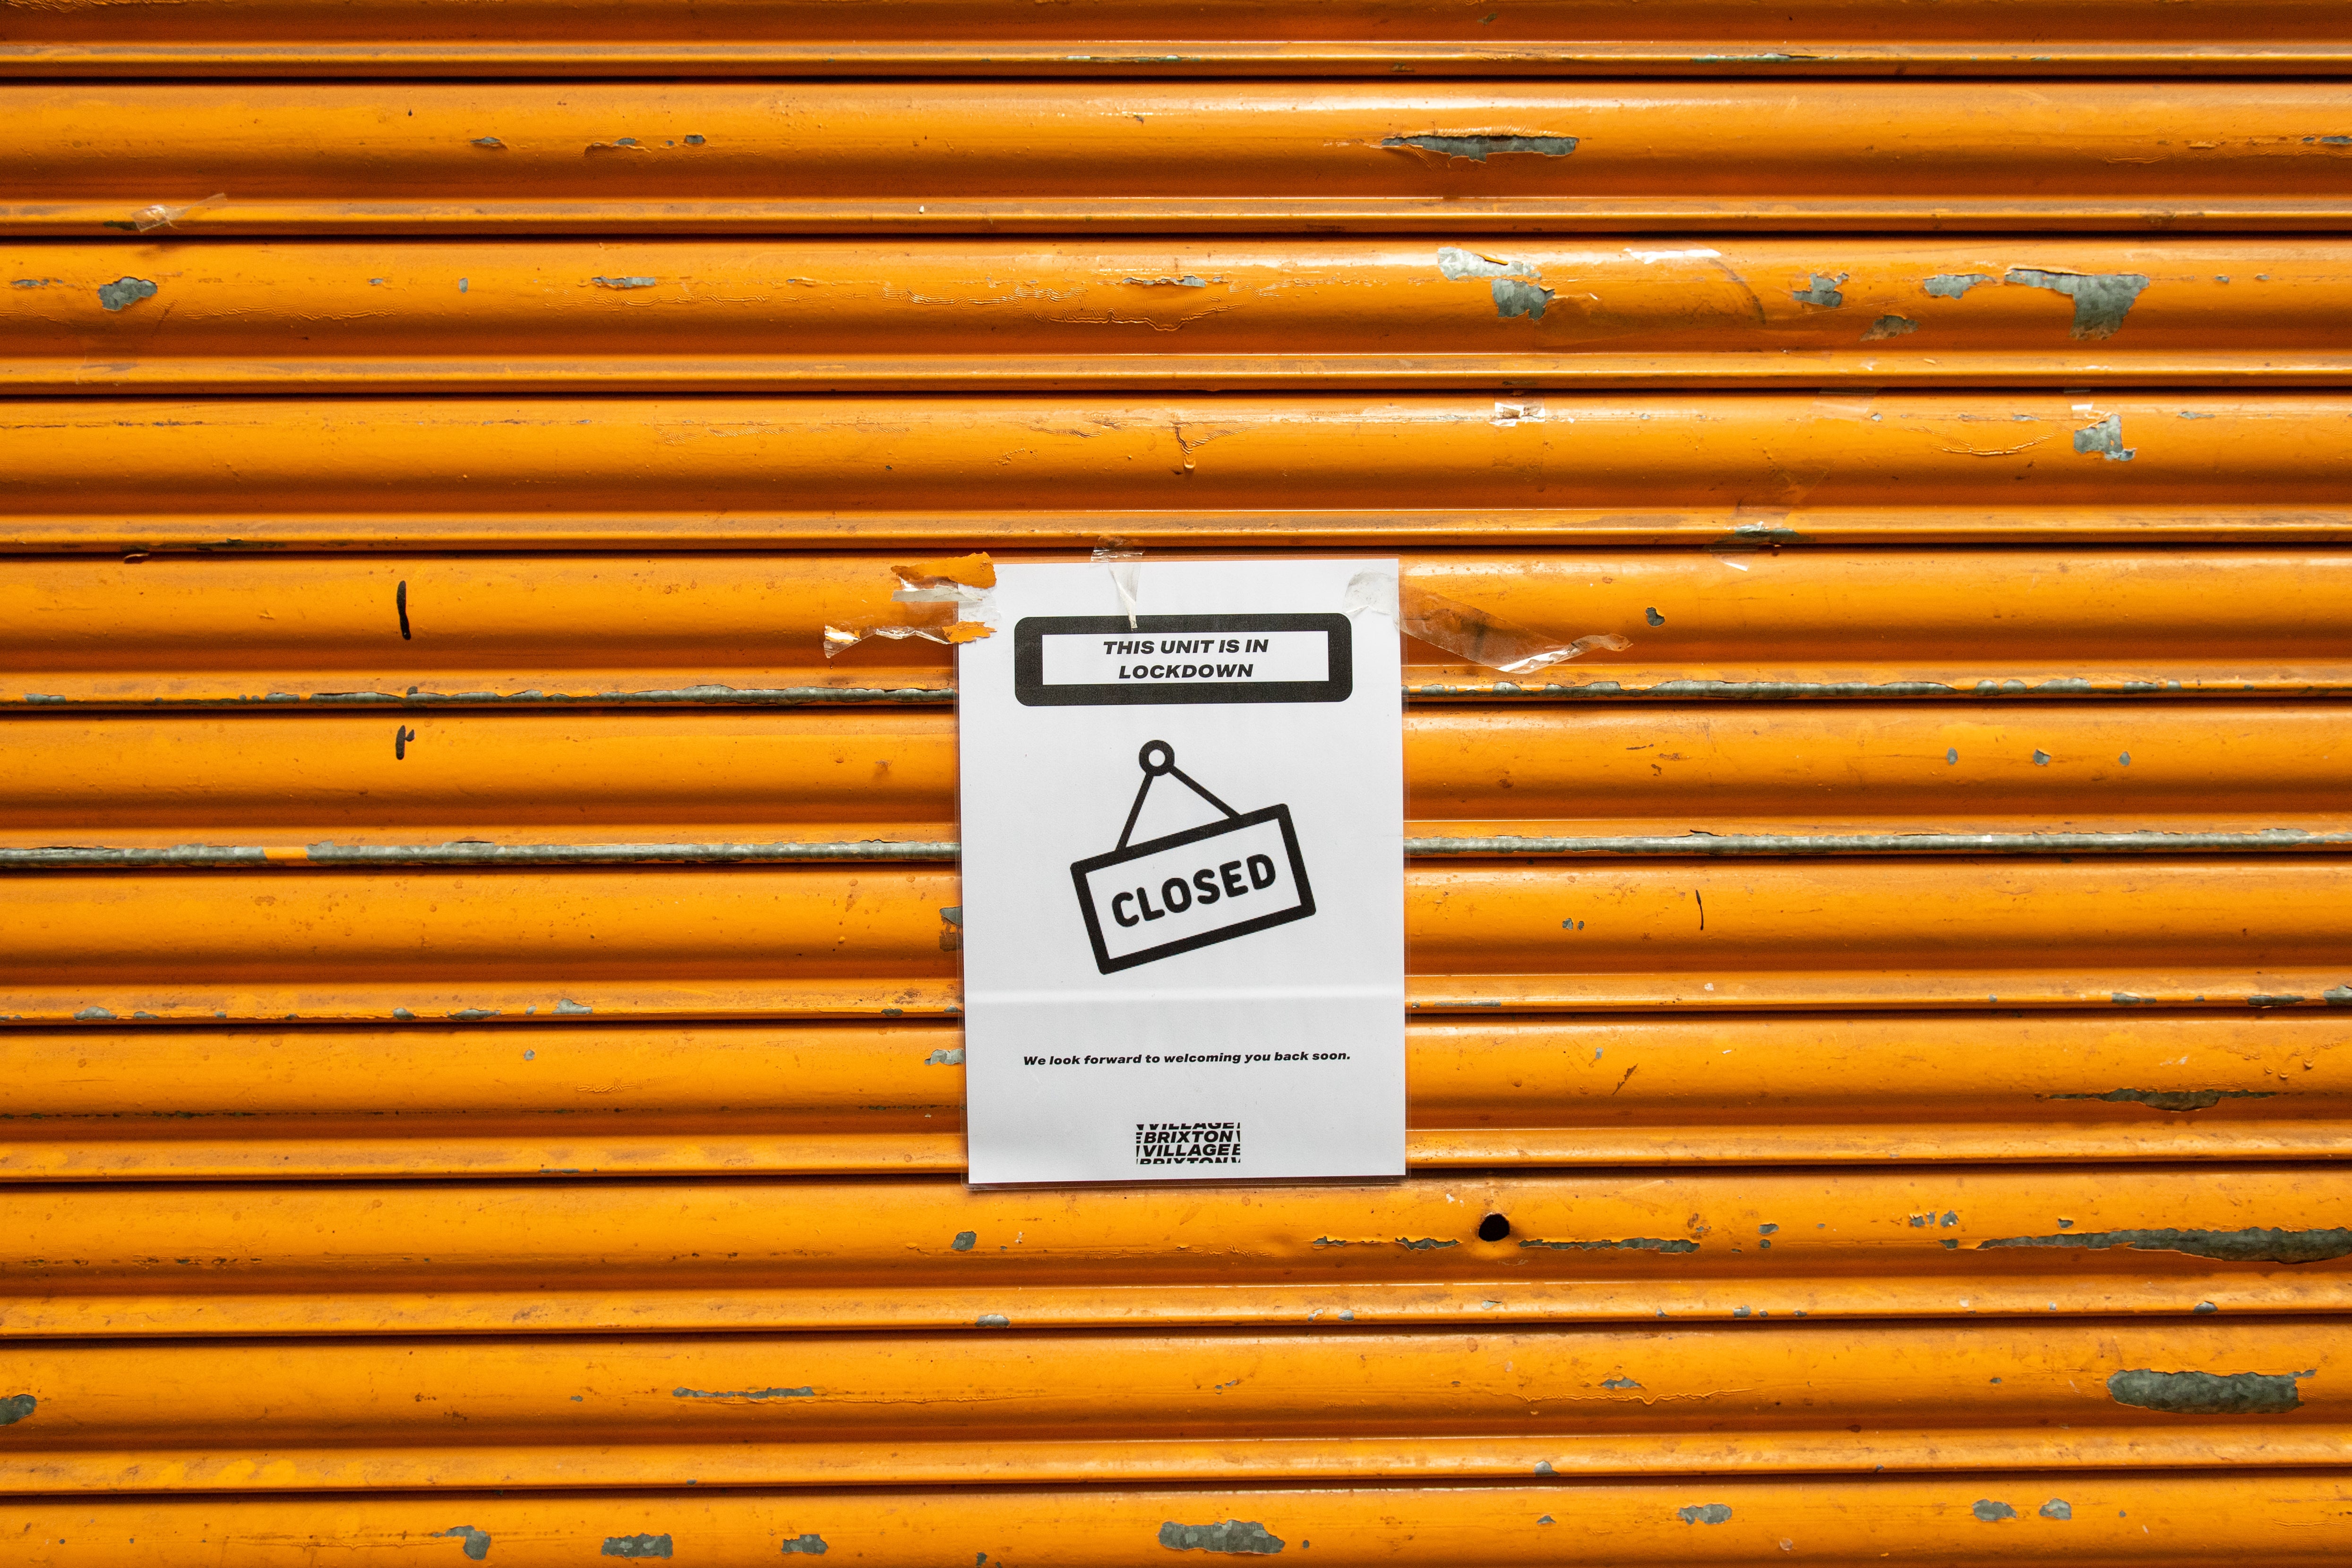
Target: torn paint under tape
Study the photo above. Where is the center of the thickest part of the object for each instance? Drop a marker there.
(949, 601)
(1474, 635)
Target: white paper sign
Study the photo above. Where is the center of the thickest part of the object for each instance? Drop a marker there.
(1183, 874)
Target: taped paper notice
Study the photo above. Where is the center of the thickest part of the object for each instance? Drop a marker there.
(938, 601)
(1183, 878)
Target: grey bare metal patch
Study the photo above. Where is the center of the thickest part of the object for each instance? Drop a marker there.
(1630, 1244)
(1705, 1513)
(2170, 1099)
(743, 1395)
(2252, 1245)
(1889, 327)
(1516, 296)
(124, 292)
(1234, 1535)
(636, 1546)
(2101, 300)
(624, 282)
(2208, 1394)
(478, 1542)
(1455, 265)
(1993, 1513)
(16, 1408)
(1479, 146)
(811, 1544)
(1952, 285)
(951, 1055)
(2107, 439)
(1823, 290)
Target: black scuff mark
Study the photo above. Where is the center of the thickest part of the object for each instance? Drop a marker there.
(1823, 290)
(401, 735)
(2252, 1245)
(2171, 1099)
(1477, 147)
(636, 1546)
(400, 604)
(1630, 1244)
(2101, 300)
(124, 292)
(478, 1542)
(1241, 1536)
(2209, 1394)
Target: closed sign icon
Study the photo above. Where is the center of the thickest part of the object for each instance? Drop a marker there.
(1211, 883)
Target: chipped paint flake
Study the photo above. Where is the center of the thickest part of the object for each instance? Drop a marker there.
(1952, 285)
(124, 292)
(476, 1542)
(1889, 327)
(2107, 439)
(1238, 1536)
(1630, 1244)
(2252, 1245)
(1455, 265)
(1823, 290)
(2167, 1099)
(812, 1544)
(1479, 146)
(1513, 297)
(1993, 1513)
(624, 282)
(1705, 1513)
(2206, 1394)
(2101, 300)
(744, 1395)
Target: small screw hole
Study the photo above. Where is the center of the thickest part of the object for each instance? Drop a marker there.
(1494, 1228)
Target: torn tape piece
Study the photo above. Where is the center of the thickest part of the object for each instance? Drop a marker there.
(1488, 639)
(1125, 577)
(160, 216)
(949, 601)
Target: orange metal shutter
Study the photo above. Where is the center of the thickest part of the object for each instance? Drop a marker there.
(481, 980)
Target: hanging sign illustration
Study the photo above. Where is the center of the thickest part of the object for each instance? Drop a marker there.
(1182, 855)
(1249, 865)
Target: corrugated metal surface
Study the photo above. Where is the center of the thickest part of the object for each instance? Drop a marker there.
(1165, 38)
(1039, 157)
(481, 982)
(1467, 311)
